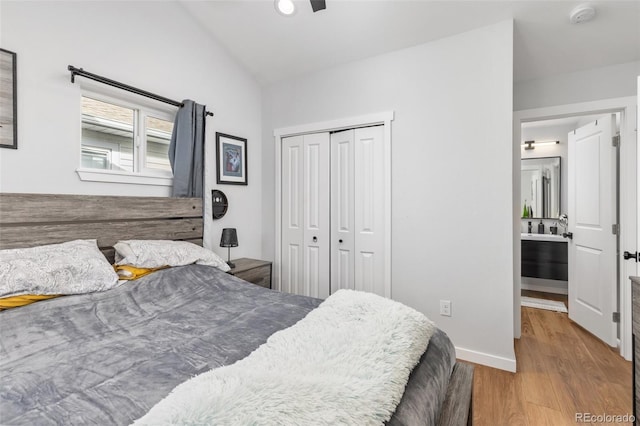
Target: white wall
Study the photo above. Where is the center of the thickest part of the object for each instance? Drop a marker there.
(599, 83)
(452, 164)
(152, 45)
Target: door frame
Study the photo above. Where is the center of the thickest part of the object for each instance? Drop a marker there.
(626, 106)
(382, 118)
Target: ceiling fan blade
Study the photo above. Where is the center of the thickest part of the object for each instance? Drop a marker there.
(317, 5)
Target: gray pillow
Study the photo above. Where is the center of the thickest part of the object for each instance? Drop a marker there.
(73, 267)
(157, 253)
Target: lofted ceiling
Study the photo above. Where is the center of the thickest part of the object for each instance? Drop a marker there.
(273, 47)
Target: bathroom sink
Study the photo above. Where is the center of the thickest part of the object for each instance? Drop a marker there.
(543, 237)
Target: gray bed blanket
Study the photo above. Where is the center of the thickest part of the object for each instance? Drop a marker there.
(107, 358)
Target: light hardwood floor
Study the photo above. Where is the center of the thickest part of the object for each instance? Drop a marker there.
(562, 370)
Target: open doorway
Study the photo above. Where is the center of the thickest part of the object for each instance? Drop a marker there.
(569, 193)
(552, 350)
(532, 124)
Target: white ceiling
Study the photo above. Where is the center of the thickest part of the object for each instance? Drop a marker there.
(273, 47)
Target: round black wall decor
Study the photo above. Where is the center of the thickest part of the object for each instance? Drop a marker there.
(219, 204)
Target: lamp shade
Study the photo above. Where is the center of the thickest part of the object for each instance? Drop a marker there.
(229, 238)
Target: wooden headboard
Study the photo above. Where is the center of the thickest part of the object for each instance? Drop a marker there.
(28, 220)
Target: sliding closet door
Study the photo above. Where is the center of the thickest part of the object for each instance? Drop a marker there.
(342, 210)
(333, 212)
(305, 215)
(369, 250)
(292, 215)
(357, 210)
(316, 215)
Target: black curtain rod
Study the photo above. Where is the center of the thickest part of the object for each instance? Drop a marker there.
(82, 73)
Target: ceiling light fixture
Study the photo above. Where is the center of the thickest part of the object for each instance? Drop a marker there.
(529, 144)
(582, 13)
(285, 7)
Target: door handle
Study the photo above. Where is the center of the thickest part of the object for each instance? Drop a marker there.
(315, 239)
(340, 241)
(635, 256)
(568, 235)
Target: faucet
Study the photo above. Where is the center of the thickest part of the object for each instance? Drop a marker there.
(564, 222)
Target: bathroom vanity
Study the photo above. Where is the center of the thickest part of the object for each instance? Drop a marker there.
(544, 256)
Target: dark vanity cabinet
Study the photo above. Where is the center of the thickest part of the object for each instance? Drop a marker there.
(544, 259)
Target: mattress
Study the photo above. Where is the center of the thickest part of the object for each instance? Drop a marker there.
(107, 358)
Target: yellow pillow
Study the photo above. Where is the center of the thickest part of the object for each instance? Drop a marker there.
(22, 300)
(128, 272)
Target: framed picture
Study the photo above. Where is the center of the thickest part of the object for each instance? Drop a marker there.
(8, 100)
(231, 156)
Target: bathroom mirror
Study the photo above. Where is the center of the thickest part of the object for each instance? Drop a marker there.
(540, 188)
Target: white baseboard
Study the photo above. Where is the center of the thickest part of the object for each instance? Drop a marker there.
(544, 285)
(544, 289)
(489, 360)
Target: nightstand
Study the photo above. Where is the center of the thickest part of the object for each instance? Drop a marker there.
(255, 271)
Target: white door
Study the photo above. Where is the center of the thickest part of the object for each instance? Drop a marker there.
(592, 213)
(292, 215)
(342, 211)
(316, 215)
(305, 215)
(369, 250)
(357, 210)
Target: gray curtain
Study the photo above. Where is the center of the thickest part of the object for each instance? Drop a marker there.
(186, 150)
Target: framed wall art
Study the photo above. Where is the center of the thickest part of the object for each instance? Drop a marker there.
(8, 100)
(231, 156)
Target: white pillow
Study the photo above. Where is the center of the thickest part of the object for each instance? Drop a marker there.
(157, 253)
(73, 267)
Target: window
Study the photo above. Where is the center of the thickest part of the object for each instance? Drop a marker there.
(96, 158)
(122, 139)
(158, 133)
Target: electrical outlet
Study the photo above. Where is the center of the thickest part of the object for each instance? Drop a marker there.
(445, 308)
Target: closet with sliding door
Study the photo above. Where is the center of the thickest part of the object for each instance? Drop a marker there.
(334, 191)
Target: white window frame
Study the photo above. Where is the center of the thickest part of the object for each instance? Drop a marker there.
(140, 174)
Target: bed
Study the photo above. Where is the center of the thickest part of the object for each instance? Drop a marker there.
(109, 357)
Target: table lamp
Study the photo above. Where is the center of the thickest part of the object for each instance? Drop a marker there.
(229, 239)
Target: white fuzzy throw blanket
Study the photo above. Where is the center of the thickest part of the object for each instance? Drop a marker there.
(347, 362)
